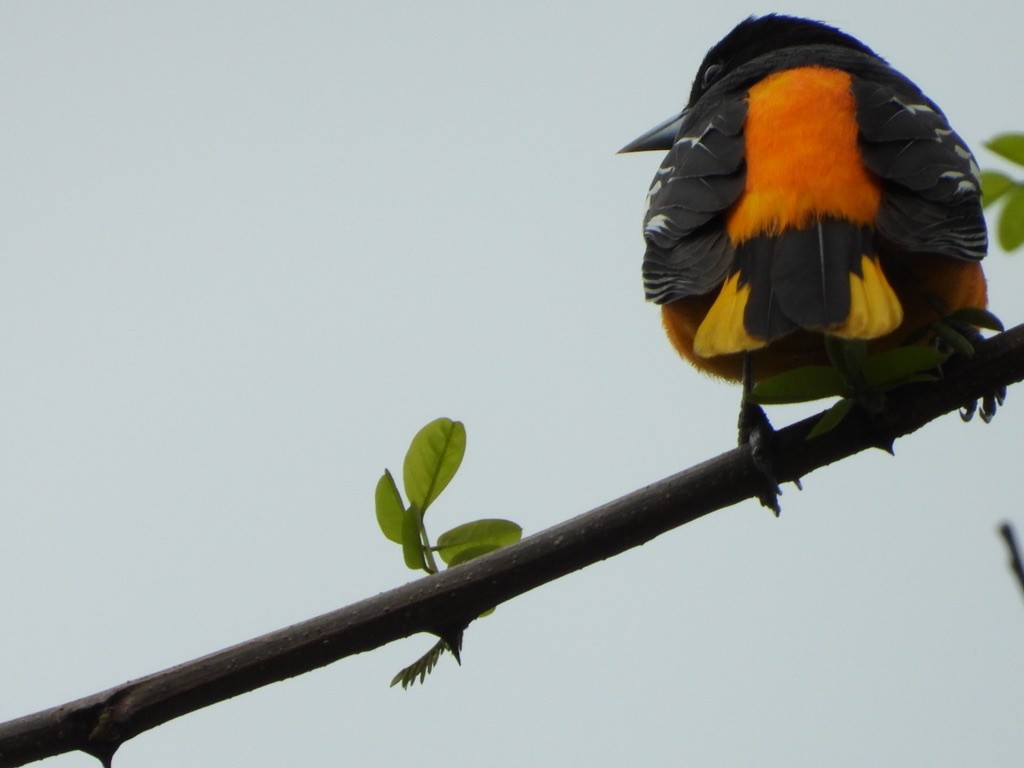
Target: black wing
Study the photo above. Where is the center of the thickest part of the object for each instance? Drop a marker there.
(688, 251)
(931, 200)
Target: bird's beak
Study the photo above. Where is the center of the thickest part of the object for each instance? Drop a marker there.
(662, 136)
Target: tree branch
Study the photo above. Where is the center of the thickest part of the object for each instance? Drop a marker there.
(446, 602)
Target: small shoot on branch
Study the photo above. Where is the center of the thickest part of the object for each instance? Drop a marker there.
(434, 456)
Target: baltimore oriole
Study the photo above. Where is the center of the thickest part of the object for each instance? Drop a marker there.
(809, 189)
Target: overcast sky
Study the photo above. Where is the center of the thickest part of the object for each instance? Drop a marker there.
(250, 249)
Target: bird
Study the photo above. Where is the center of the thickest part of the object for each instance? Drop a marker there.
(810, 190)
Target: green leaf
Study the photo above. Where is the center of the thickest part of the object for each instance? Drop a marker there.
(1011, 220)
(1008, 145)
(433, 459)
(412, 545)
(464, 542)
(422, 667)
(894, 365)
(812, 382)
(831, 418)
(994, 184)
(390, 508)
(979, 318)
(471, 553)
(847, 355)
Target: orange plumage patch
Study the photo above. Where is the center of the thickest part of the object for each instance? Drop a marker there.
(802, 156)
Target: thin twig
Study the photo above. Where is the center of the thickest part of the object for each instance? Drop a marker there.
(1016, 565)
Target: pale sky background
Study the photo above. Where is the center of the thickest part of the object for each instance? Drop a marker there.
(249, 249)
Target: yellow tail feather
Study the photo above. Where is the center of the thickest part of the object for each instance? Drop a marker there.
(874, 308)
(722, 332)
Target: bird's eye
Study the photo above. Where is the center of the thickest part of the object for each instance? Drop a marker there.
(711, 74)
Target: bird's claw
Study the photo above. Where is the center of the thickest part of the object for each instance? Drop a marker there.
(989, 405)
(991, 401)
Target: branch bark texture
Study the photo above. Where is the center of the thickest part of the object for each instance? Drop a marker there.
(445, 603)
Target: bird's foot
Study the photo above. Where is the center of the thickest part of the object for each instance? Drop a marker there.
(990, 401)
(756, 431)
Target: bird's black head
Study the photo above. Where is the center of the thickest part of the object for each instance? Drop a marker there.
(757, 36)
(751, 39)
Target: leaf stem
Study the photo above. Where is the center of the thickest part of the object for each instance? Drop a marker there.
(428, 552)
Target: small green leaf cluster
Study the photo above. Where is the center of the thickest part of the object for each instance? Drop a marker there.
(859, 378)
(434, 456)
(996, 185)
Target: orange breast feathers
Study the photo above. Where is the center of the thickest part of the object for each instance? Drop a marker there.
(802, 157)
